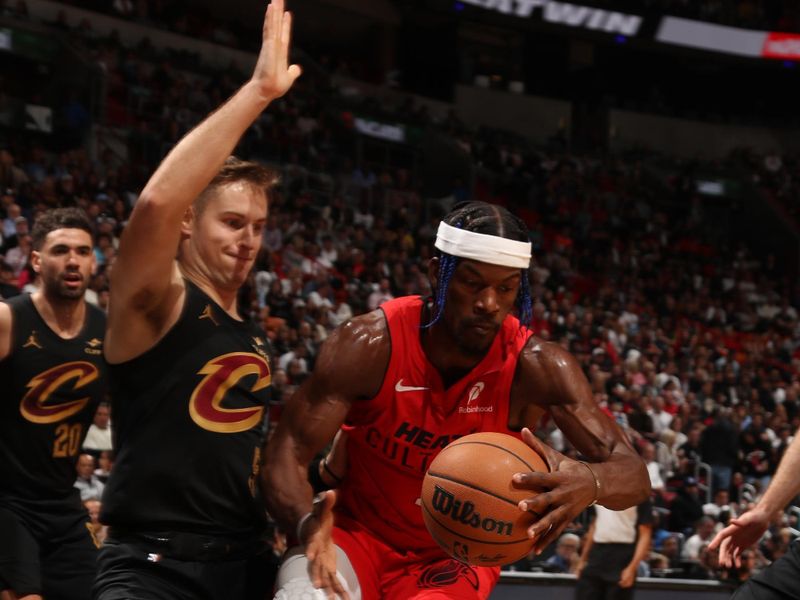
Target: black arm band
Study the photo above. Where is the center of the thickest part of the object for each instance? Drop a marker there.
(314, 478)
(332, 475)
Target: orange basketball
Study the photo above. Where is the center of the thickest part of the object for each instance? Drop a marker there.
(469, 503)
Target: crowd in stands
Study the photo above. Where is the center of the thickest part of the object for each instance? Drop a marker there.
(688, 339)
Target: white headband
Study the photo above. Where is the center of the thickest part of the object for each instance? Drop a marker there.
(490, 249)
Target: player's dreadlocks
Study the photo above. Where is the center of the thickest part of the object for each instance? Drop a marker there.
(489, 219)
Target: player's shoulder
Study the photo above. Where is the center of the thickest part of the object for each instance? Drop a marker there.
(360, 341)
(6, 323)
(6, 312)
(15, 302)
(542, 354)
(96, 312)
(546, 366)
(360, 345)
(368, 328)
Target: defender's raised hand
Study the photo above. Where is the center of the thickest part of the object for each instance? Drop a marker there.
(273, 74)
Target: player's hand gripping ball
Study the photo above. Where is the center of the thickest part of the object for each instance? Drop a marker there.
(469, 503)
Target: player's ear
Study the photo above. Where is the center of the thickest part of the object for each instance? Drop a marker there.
(187, 221)
(433, 271)
(36, 261)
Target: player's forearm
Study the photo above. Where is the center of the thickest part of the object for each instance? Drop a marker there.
(642, 546)
(196, 159)
(284, 483)
(587, 543)
(623, 480)
(785, 484)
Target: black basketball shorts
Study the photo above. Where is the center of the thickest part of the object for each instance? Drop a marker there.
(47, 548)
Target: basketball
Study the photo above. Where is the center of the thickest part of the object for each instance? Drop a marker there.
(469, 503)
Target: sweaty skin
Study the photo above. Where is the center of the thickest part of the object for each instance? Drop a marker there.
(350, 371)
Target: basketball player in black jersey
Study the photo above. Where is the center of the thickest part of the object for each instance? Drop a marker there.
(189, 378)
(53, 376)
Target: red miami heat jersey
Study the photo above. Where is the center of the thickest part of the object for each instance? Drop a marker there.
(393, 437)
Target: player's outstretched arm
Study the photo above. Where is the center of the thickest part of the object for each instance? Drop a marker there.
(349, 369)
(5, 330)
(145, 262)
(745, 530)
(614, 474)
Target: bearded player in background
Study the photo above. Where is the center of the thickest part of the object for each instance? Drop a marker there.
(53, 376)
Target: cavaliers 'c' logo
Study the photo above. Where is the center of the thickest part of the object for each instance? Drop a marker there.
(221, 374)
(34, 405)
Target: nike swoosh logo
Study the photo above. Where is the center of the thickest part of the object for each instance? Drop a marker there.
(399, 387)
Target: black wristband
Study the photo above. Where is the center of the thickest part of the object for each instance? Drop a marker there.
(333, 475)
(314, 477)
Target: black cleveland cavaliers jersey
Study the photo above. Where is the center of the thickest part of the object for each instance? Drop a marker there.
(50, 389)
(188, 427)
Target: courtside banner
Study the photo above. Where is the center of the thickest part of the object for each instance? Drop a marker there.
(5, 39)
(567, 14)
(709, 36)
(382, 131)
(784, 46)
(729, 40)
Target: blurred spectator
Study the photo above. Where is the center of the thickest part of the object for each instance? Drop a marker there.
(687, 506)
(380, 295)
(8, 286)
(704, 535)
(99, 531)
(13, 214)
(105, 463)
(666, 558)
(18, 256)
(653, 467)
(90, 486)
(720, 509)
(566, 556)
(705, 567)
(11, 175)
(98, 438)
(719, 446)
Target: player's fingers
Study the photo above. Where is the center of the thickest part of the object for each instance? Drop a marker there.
(267, 17)
(534, 480)
(286, 33)
(335, 586)
(737, 556)
(549, 530)
(538, 505)
(721, 535)
(295, 71)
(724, 552)
(269, 31)
(549, 455)
(276, 18)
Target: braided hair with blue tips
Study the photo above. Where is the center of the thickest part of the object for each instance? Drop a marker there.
(489, 219)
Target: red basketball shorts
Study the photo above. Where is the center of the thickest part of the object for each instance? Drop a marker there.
(385, 574)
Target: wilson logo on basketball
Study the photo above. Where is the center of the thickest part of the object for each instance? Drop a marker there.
(221, 374)
(445, 502)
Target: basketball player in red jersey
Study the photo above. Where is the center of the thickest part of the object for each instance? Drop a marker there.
(407, 379)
